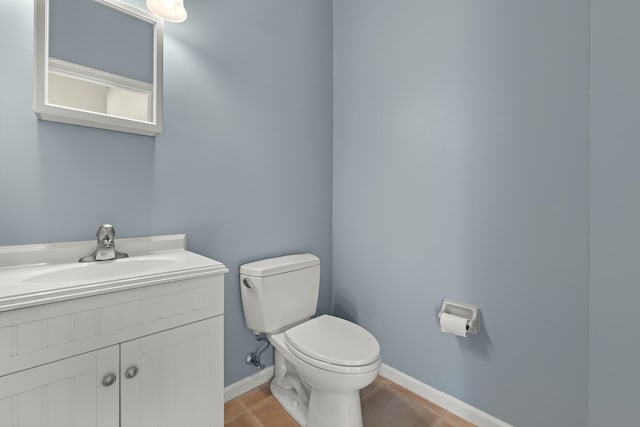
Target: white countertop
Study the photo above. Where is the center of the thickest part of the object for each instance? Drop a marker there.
(38, 276)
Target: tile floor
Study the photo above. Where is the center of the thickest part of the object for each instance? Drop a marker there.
(384, 404)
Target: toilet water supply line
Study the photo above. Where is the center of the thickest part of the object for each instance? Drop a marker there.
(253, 358)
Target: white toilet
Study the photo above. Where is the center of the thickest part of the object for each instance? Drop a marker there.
(321, 363)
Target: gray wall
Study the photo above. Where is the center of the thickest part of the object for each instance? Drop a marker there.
(615, 211)
(461, 171)
(243, 165)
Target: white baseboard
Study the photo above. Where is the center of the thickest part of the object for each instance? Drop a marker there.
(450, 403)
(244, 385)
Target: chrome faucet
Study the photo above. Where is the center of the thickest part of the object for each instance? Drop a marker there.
(106, 249)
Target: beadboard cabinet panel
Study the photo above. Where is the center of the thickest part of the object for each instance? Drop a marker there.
(66, 393)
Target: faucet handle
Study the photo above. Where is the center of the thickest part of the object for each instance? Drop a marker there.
(106, 246)
(106, 234)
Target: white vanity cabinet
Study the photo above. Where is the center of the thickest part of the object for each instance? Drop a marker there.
(169, 374)
(114, 351)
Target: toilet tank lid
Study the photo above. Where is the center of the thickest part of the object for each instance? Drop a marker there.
(283, 264)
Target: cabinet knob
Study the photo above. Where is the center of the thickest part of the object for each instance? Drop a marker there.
(131, 372)
(108, 380)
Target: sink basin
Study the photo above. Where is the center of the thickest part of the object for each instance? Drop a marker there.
(102, 270)
(44, 273)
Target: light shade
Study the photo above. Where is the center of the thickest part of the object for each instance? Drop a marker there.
(169, 10)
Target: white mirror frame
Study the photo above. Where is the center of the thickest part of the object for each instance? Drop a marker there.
(46, 111)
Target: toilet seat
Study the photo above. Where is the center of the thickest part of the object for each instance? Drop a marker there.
(334, 344)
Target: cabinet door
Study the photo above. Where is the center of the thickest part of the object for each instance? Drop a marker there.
(179, 378)
(67, 393)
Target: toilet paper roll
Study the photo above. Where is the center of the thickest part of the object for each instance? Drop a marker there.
(452, 324)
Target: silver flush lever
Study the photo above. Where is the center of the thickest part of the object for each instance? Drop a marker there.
(247, 283)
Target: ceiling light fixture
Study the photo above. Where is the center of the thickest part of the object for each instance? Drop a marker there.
(169, 10)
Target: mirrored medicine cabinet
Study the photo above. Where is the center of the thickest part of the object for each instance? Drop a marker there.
(98, 63)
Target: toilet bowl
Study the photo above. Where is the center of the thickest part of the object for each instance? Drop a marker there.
(334, 358)
(320, 363)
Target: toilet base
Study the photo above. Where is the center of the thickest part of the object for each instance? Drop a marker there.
(290, 401)
(326, 409)
(331, 409)
(315, 397)
(289, 391)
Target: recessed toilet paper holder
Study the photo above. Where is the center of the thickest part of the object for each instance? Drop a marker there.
(468, 311)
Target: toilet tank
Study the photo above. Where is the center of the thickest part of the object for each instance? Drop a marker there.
(279, 292)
